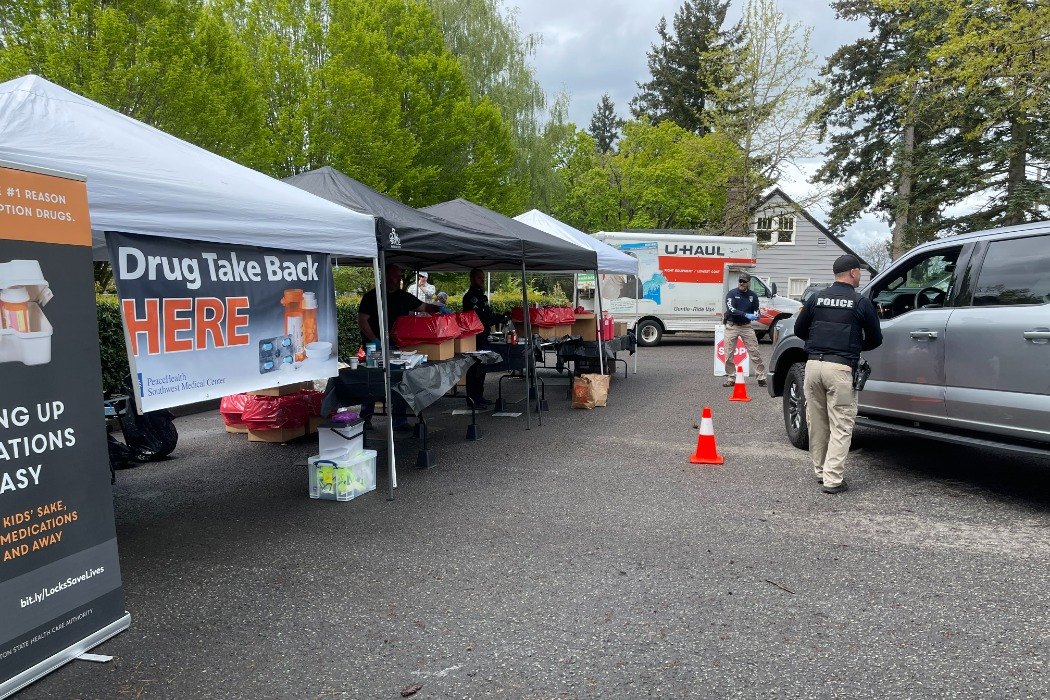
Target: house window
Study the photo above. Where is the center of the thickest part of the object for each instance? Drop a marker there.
(772, 230)
(764, 229)
(797, 285)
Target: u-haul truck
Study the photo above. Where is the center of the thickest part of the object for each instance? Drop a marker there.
(682, 283)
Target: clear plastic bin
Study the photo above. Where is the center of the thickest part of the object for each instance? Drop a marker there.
(342, 480)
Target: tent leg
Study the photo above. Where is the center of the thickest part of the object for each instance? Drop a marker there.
(528, 344)
(601, 326)
(384, 339)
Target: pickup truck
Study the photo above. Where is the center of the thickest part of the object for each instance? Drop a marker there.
(966, 345)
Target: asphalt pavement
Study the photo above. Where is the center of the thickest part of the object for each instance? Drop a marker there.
(583, 558)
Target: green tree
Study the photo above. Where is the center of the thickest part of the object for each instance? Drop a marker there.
(988, 72)
(176, 65)
(496, 57)
(766, 108)
(605, 125)
(883, 152)
(687, 66)
(662, 176)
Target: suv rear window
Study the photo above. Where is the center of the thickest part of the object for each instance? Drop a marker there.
(1015, 271)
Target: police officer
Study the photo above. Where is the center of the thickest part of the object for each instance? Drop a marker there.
(741, 310)
(837, 325)
(477, 301)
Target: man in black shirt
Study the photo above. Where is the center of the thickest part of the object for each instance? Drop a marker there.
(741, 310)
(477, 301)
(837, 325)
(398, 303)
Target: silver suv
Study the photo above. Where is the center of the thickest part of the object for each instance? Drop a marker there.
(966, 344)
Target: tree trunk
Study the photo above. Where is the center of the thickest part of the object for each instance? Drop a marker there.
(1015, 176)
(900, 221)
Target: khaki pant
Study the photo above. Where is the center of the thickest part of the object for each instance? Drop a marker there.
(746, 333)
(831, 411)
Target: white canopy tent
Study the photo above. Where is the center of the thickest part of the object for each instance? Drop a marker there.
(142, 180)
(610, 260)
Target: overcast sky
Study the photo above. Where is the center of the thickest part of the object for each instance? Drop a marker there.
(591, 47)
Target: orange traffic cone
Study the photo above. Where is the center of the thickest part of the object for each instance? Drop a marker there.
(740, 387)
(706, 451)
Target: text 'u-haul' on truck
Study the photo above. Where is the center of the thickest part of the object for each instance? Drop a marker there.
(682, 283)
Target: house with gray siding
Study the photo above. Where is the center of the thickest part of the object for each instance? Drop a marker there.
(794, 249)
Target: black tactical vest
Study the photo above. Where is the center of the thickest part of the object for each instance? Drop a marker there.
(836, 328)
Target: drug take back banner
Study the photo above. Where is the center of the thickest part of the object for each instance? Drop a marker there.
(60, 589)
(203, 320)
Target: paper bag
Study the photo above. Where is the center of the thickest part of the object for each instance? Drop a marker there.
(590, 390)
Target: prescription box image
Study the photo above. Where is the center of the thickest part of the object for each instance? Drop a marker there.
(25, 332)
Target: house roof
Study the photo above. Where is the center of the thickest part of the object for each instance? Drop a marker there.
(777, 192)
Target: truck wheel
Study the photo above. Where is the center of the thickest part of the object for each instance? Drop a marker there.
(759, 335)
(649, 333)
(795, 406)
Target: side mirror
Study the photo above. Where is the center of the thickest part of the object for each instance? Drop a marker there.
(773, 288)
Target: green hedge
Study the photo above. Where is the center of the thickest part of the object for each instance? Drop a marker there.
(115, 357)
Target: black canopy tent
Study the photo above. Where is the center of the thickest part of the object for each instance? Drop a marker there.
(412, 238)
(417, 238)
(542, 251)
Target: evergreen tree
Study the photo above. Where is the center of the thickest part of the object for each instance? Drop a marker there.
(605, 125)
(883, 151)
(687, 66)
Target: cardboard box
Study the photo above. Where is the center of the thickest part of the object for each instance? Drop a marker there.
(237, 428)
(311, 426)
(546, 332)
(466, 344)
(283, 390)
(435, 351)
(282, 435)
(562, 330)
(585, 327)
(621, 328)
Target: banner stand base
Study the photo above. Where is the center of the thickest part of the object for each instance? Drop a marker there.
(63, 657)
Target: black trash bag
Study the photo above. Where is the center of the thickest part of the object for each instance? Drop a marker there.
(150, 436)
(120, 455)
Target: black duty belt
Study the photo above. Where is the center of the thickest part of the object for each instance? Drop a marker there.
(832, 358)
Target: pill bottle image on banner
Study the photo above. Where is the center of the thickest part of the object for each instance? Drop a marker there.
(293, 321)
(309, 318)
(14, 307)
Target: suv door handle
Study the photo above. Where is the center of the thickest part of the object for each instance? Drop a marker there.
(1037, 334)
(921, 334)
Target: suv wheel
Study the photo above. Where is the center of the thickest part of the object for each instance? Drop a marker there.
(795, 406)
(649, 333)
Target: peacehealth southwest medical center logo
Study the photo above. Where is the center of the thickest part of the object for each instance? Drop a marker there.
(172, 383)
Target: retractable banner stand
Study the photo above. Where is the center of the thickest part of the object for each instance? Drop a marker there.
(60, 589)
(204, 320)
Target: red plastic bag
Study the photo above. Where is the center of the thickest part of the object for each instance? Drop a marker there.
(469, 323)
(275, 412)
(413, 330)
(313, 399)
(543, 318)
(231, 407)
(565, 315)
